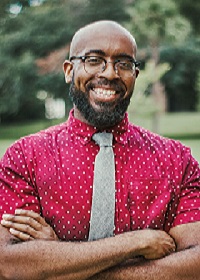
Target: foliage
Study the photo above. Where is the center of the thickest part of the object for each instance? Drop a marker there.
(36, 31)
(191, 10)
(18, 86)
(23, 41)
(198, 89)
(104, 9)
(156, 25)
(143, 103)
(157, 22)
(181, 80)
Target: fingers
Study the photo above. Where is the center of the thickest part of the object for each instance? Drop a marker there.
(21, 231)
(21, 235)
(31, 214)
(21, 222)
(28, 225)
(23, 227)
(26, 217)
(166, 247)
(19, 226)
(158, 244)
(160, 252)
(168, 244)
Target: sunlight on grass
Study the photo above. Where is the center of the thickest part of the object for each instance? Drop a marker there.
(4, 144)
(173, 124)
(195, 147)
(182, 126)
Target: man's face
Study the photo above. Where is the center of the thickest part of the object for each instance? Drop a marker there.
(107, 114)
(101, 99)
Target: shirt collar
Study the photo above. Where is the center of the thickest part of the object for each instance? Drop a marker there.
(84, 131)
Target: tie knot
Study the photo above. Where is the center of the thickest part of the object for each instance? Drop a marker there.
(103, 139)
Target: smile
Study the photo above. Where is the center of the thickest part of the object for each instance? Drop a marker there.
(104, 92)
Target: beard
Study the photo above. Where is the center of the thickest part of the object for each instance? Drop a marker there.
(109, 114)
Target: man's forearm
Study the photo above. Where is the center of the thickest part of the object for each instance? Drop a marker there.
(48, 259)
(183, 265)
(40, 259)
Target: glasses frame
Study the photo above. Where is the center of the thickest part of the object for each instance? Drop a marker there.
(84, 57)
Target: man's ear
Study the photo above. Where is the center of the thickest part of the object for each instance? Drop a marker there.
(68, 70)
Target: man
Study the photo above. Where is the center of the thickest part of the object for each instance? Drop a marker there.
(46, 182)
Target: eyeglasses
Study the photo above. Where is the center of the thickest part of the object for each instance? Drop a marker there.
(124, 67)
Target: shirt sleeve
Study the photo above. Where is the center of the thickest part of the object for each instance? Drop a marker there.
(188, 209)
(17, 188)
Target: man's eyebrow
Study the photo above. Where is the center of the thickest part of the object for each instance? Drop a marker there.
(100, 52)
(125, 55)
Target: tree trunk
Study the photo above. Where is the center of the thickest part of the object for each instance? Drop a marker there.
(156, 89)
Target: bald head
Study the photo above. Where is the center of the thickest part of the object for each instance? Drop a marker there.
(99, 30)
(102, 72)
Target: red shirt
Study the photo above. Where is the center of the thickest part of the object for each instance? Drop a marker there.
(51, 172)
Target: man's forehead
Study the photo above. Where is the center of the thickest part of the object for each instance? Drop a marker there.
(95, 35)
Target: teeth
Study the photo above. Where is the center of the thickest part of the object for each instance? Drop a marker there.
(105, 92)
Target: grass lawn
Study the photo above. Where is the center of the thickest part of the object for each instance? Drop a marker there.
(174, 125)
(182, 126)
(195, 147)
(17, 130)
(4, 144)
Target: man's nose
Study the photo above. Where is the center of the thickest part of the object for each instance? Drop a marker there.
(109, 71)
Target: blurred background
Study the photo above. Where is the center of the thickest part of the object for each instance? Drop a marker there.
(34, 41)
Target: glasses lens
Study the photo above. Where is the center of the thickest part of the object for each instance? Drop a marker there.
(94, 64)
(125, 67)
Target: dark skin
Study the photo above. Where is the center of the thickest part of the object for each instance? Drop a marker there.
(164, 256)
(44, 257)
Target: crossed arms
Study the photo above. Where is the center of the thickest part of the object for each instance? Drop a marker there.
(144, 254)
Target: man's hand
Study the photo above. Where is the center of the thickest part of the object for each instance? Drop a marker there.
(156, 244)
(98, 257)
(151, 244)
(28, 225)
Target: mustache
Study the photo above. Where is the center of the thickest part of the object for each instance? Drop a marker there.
(115, 85)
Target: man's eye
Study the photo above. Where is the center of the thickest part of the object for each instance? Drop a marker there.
(94, 60)
(125, 65)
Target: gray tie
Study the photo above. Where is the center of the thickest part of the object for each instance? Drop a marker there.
(103, 201)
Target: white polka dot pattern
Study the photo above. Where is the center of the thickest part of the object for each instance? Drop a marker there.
(51, 172)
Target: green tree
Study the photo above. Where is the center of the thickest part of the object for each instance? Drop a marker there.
(181, 81)
(191, 10)
(17, 96)
(157, 25)
(103, 9)
(31, 34)
(34, 33)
